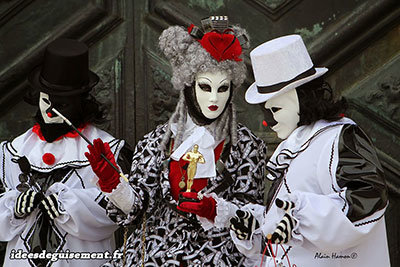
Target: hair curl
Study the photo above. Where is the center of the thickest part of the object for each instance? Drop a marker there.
(187, 58)
(317, 102)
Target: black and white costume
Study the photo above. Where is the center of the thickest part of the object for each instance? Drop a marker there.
(172, 237)
(331, 173)
(82, 224)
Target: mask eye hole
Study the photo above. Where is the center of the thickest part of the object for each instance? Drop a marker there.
(275, 109)
(223, 88)
(205, 87)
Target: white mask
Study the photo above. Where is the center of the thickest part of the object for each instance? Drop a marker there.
(285, 109)
(44, 106)
(212, 92)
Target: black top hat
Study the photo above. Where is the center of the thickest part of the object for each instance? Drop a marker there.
(65, 69)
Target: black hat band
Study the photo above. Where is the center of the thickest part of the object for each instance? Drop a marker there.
(60, 87)
(279, 86)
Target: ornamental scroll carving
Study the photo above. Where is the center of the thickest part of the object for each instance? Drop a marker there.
(165, 97)
(386, 98)
(103, 92)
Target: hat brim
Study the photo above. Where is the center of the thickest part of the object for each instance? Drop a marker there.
(252, 95)
(34, 81)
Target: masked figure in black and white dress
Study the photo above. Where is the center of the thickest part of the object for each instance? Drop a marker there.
(328, 198)
(207, 71)
(50, 202)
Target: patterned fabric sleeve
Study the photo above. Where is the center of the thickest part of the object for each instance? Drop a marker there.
(144, 179)
(249, 185)
(247, 161)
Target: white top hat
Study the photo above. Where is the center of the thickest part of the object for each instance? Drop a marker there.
(280, 65)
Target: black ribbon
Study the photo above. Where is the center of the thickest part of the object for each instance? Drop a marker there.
(279, 86)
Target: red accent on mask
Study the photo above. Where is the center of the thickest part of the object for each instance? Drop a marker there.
(221, 46)
(49, 158)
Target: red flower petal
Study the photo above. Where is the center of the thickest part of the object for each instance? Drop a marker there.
(222, 46)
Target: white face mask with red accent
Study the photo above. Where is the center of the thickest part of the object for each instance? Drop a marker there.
(285, 109)
(212, 93)
(43, 106)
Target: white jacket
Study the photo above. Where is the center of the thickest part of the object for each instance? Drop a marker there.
(331, 230)
(83, 225)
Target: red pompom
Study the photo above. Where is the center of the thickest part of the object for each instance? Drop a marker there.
(341, 115)
(265, 123)
(48, 158)
(49, 114)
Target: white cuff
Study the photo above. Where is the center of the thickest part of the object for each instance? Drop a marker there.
(224, 210)
(9, 203)
(297, 238)
(122, 196)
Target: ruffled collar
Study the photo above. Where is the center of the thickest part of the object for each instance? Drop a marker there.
(297, 142)
(200, 135)
(36, 129)
(66, 151)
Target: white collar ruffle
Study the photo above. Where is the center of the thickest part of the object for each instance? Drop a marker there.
(200, 135)
(297, 142)
(68, 151)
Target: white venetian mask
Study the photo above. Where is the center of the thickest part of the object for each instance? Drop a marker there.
(285, 109)
(212, 92)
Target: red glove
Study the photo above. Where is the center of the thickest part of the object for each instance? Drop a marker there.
(204, 208)
(108, 176)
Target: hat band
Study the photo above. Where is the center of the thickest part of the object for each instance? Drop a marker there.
(59, 87)
(278, 86)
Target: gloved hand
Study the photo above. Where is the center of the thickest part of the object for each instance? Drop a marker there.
(204, 207)
(49, 205)
(243, 224)
(283, 232)
(108, 176)
(26, 203)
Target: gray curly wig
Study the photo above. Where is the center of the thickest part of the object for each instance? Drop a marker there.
(187, 58)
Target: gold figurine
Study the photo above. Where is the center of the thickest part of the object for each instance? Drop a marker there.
(193, 157)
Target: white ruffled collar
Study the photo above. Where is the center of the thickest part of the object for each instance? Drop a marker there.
(68, 151)
(297, 141)
(200, 135)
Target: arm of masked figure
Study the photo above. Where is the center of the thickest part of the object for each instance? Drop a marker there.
(354, 198)
(349, 208)
(247, 184)
(109, 182)
(81, 211)
(10, 224)
(144, 187)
